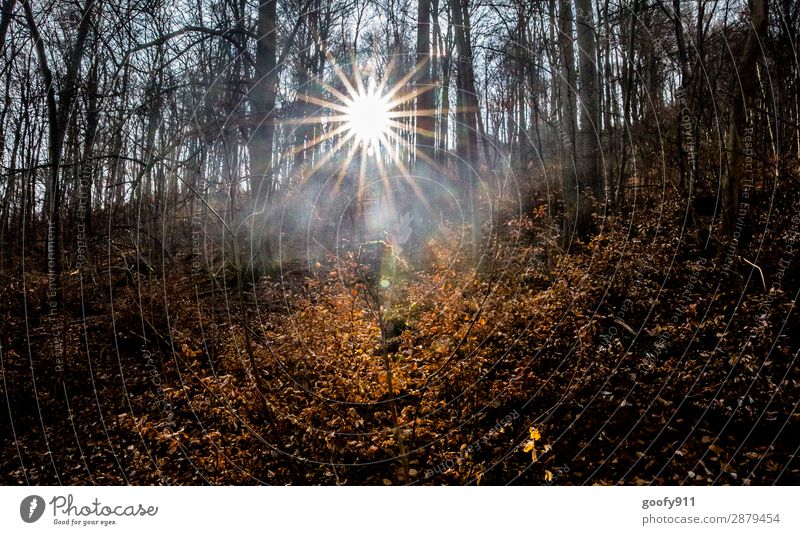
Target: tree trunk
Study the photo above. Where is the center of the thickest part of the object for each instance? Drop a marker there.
(425, 96)
(627, 90)
(58, 117)
(567, 105)
(86, 180)
(589, 177)
(445, 63)
(263, 93)
(686, 179)
(466, 115)
(466, 139)
(5, 20)
(738, 172)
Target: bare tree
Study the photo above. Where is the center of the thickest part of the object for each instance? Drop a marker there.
(425, 96)
(59, 111)
(5, 20)
(263, 94)
(589, 176)
(747, 91)
(568, 118)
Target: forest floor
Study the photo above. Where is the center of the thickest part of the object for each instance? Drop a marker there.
(635, 358)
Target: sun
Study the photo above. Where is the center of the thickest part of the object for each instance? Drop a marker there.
(363, 114)
(367, 117)
(362, 117)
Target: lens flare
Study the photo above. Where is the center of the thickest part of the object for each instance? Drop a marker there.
(368, 118)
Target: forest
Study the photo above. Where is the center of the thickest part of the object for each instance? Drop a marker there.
(399, 242)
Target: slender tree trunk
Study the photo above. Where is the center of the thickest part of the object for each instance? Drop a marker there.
(627, 91)
(5, 20)
(686, 180)
(54, 145)
(445, 62)
(737, 170)
(466, 113)
(11, 179)
(589, 177)
(263, 94)
(117, 164)
(425, 96)
(58, 117)
(567, 130)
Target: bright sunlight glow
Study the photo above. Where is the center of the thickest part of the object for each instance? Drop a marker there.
(368, 118)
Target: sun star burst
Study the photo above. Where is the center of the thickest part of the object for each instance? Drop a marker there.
(366, 117)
